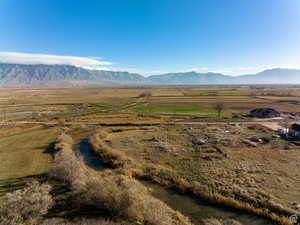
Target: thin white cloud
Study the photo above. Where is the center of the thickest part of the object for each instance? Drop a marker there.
(90, 63)
(26, 58)
(95, 63)
(130, 70)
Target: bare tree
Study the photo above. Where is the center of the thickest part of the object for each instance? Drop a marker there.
(28, 204)
(145, 94)
(219, 107)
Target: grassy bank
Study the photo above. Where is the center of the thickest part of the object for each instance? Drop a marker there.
(121, 196)
(168, 178)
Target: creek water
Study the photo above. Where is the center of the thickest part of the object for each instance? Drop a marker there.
(198, 210)
(195, 209)
(83, 149)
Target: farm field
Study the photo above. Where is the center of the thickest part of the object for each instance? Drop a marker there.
(22, 151)
(171, 136)
(178, 108)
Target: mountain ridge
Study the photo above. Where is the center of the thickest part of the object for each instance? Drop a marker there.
(29, 75)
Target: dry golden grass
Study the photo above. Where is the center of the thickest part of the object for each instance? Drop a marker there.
(116, 97)
(120, 195)
(21, 153)
(82, 221)
(168, 175)
(21, 148)
(107, 154)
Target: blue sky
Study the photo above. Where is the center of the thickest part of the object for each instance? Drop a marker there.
(154, 36)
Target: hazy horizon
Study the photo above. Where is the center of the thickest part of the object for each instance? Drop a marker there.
(153, 37)
(123, 70)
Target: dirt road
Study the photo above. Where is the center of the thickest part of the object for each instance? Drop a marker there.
(272, 125)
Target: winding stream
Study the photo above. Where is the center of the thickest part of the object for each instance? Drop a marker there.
(197, 210)
(89, 158)
(194, 208)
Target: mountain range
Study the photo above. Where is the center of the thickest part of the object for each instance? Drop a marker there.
(23, 75)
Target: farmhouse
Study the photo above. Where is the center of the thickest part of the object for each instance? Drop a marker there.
(294, 131)
(264, 113)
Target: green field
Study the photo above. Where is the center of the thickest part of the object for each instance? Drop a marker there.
(217, 93)
(178, 108)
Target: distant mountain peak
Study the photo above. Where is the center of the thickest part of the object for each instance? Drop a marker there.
(28, 75)
(274, 70)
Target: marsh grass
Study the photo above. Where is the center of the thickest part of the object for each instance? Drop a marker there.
(276, 214)
(120, 195)
(107, 154)
(81, 221)
(167, 178)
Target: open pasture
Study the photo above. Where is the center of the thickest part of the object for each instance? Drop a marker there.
(22, 151)
(158, 100)
(175, 145)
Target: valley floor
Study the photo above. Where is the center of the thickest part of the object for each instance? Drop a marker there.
(172, 136)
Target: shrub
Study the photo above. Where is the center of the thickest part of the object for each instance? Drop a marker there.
(213, 221)
(63, 141)
(109, 155)
(28, 204)
(126, 197)
(145, 94)
(64, 138)
(81, 221)
(231, 222)
(68, 168)
(118, 194)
